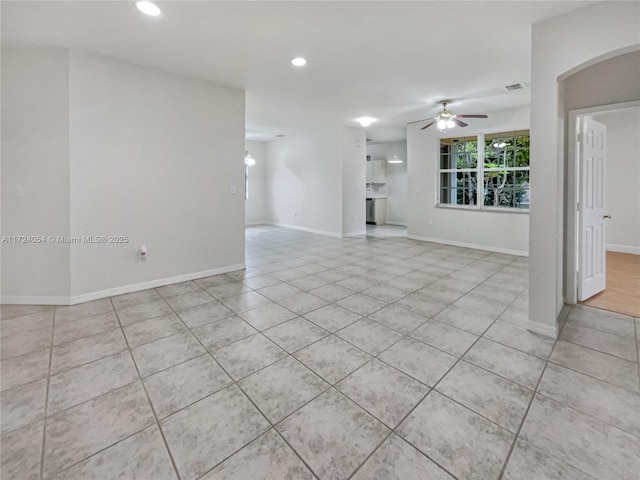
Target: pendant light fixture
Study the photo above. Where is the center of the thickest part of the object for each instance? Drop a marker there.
(395, 158)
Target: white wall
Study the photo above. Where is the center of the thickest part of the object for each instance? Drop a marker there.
(255, 206)
(396, 187)
(623, 179)
(116, 149)
(353, 181)
(561, 46)
(490, 230)
(35, 156)
(304, 181)
(153, 157)
(316, 181)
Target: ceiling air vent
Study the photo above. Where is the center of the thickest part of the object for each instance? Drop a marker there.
(514, 87)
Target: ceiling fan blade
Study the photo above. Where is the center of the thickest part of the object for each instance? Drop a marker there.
(428, 125)
(459, 122)
(472, 116)
(418, 121)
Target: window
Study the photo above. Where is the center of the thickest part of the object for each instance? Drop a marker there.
(495, 175)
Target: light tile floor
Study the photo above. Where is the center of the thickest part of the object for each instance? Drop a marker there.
(376, 357)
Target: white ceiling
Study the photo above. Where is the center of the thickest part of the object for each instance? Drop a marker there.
(391, 60)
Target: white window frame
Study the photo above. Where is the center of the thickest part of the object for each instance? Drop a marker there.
(480, 171)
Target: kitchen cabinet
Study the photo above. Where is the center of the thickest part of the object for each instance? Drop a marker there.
(369, 170)
(379, 174)
(376, 171)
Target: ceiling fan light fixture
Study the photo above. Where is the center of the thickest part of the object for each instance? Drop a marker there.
(148, 8)
(365, 121)
(248, 161)
(445, 119)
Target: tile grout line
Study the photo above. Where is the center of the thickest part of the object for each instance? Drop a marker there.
(236, 384)
(458, 360)
(153, 411)
(392, 431)
(102, 449)
(431, 389)
(636, 392)
(46, 399)
(603, 381)
(407, 335)
(526, 414)
(404, 335)
(272, 427)
(582, 325)
(92, 361)
(573, 342)
(586, 414)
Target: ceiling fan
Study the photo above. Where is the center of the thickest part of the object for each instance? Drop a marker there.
(445, 119)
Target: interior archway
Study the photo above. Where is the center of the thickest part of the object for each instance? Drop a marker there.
(610, 84)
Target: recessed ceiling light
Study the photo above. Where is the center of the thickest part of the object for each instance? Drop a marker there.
(148, 8)
(298, 62)
(365, 121)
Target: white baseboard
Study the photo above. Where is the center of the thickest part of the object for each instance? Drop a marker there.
(623, 249)
(305, 229)
(398, 224)
(354, 234)
(543, 329)
(136, 287)
(520, 253)
(251, 224)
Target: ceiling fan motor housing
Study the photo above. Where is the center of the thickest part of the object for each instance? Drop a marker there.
(446, 119)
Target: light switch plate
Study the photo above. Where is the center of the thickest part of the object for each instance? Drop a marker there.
(232, 190)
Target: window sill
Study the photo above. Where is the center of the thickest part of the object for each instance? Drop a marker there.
(475, 208)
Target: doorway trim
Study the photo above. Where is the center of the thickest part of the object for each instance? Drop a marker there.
(571, 213)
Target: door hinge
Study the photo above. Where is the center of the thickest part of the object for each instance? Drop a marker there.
(579, 137)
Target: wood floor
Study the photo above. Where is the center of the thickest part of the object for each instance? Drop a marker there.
(622, 294)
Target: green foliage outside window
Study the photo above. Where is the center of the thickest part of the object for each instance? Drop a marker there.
(505, 172)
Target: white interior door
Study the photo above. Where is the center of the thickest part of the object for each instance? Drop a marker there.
(591, 208)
